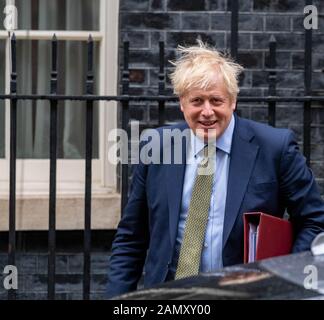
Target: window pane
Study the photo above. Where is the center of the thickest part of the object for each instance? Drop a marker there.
(58, 14)
(2, 102)
(2, 6)
(33, 67)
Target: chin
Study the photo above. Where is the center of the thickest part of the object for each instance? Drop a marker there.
(210, 138)
(207, 134)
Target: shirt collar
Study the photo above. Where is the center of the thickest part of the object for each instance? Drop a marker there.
(224, 142)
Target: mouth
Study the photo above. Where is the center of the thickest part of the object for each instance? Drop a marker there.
(207, 124)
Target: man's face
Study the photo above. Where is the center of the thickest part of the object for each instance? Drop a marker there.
(208, 112)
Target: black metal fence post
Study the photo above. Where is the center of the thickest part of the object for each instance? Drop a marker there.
(308, 91)
(161, 84)
(88, 175)
(234, 28)
(52, 186)
(13, 155)
(234, 34)
(272, 79)
(124, 123)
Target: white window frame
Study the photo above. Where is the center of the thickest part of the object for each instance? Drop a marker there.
(33, 174)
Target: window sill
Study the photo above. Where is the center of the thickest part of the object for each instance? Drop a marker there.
(32, 212)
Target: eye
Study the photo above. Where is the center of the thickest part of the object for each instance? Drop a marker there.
(216, 101)
(196, 101)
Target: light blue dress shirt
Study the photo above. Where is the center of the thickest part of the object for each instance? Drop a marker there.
(211, 258)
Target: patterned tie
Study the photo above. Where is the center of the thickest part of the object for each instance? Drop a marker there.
(194, 233)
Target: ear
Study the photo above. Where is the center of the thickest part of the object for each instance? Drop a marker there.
(233, 105)
(181, 99)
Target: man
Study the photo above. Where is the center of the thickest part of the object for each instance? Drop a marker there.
(178, 222)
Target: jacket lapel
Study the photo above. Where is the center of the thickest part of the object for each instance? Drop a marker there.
(243, 156)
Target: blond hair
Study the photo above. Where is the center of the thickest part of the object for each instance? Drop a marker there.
(195, 68)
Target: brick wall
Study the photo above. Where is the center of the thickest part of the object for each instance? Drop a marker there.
(32, 276)
(32, 264)
(180, 22)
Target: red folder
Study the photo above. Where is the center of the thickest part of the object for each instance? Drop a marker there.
(274, 235)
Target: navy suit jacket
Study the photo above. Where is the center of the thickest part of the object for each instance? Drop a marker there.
(267, 173)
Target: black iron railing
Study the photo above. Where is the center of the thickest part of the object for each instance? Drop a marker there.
(13, 147)
(52, 195)
(125, 100)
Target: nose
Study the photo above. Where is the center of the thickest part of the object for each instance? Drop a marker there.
(207, 109)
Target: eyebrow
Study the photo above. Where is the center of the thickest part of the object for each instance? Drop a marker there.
(205, 96)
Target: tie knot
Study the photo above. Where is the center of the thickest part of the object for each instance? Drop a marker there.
(206, 166)
(209, 151)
